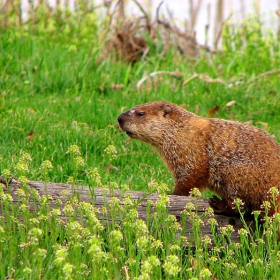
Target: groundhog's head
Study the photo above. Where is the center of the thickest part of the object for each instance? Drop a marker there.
(148, 122)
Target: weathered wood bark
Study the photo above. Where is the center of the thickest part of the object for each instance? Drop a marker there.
(177, 203)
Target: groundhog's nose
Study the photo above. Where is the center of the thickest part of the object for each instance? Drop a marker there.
(120, 119)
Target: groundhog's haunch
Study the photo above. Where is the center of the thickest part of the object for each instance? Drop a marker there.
(232, 159)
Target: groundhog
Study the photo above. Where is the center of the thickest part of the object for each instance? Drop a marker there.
(232, 159)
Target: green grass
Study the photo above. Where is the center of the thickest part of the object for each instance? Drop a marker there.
(66, 98)
(55, 85)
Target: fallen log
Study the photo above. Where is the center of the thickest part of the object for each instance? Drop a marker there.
(100, 198)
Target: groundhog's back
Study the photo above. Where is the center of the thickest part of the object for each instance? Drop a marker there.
(243, 158)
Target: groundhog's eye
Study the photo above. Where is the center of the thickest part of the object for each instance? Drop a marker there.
(140, 114)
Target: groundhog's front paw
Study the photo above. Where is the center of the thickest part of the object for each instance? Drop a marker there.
(215, 203)
(220, 206)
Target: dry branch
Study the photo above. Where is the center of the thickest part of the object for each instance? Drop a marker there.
(204, 78)
(129, 39)
(194, 76)
(183, 41)
(147, 17)
(268, 73)
(176, 75)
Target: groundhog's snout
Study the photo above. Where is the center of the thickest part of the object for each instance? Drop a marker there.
(121, 121)
(122, 117)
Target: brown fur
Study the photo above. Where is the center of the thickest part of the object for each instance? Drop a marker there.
(232, 159)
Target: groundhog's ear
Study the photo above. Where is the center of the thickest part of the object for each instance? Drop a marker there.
(167, 109)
